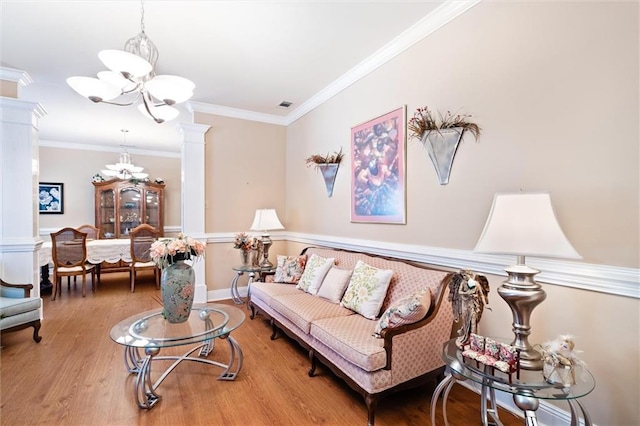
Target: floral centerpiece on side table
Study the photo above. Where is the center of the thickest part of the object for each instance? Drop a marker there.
(440, 136)
(178, 278)
(247, 244)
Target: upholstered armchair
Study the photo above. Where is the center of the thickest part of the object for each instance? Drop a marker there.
(18, 310)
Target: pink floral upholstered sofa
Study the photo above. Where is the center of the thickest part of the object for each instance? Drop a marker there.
(378, 323)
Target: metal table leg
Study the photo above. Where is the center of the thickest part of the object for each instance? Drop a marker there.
(252, 275)
(528, 404)
(145, 390)
(447, 383)
(235, 294)
(575, 417)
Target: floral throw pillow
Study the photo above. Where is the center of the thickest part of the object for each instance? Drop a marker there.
(289, 268)
(314, 272)
(367, 290)
(406, 311)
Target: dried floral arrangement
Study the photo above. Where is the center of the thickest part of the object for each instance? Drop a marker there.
(317, 159)
(424, 120)
(245, 242)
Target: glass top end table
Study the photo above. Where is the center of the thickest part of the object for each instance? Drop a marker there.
(252, 271)
(526, 389)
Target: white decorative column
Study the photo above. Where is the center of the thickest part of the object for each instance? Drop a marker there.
(193, 205)
(19, 175)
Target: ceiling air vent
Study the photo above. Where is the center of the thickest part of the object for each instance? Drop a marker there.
(285, 104)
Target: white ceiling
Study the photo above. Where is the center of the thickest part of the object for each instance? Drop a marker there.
(245, 57)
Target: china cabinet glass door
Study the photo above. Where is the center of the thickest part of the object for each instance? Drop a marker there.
(130, 209)
(152, 209)
(107, 214)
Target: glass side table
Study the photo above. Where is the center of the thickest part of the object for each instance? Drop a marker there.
(252, 271)
(527, 390)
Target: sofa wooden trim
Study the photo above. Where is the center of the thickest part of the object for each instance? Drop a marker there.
(389, 333)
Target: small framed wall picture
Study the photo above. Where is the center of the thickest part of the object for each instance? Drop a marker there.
(51, 198)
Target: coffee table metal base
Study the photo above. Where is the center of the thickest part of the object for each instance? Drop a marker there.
(145, 391)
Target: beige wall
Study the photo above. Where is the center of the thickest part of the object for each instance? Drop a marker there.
(245, 171)
(554, 86)
(558, 109)
(8, 89)
(75, 168)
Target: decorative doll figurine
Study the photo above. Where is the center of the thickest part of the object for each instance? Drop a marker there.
(468, 294)
(560, 359)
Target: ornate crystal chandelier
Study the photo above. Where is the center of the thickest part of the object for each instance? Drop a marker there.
(124, 169)
(132, 76)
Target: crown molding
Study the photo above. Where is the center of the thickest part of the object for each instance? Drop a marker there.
(236, 113)
(439, 17)
(17, 76)
(106, 148)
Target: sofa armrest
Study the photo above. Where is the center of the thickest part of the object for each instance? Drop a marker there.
(389, 333)
(15, 291)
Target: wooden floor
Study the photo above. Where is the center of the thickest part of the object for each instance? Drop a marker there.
(76, 376)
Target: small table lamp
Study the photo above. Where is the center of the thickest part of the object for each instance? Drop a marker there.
(524, 224)
(264, 221)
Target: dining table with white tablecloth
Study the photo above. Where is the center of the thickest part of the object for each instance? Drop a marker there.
(98, 251)
(108, 250)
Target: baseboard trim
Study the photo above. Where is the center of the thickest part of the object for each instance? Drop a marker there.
(224, 294)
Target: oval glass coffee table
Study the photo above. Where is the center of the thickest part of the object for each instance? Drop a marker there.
(149, 332)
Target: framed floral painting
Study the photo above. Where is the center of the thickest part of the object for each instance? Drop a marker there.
(378, 169)
(51, 198)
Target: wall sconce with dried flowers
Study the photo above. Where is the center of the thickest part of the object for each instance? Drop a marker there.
(441, 136)
(328, 166)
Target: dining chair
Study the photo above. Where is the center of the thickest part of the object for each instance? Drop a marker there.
(142, 236)
(69, 254)
(93, 233)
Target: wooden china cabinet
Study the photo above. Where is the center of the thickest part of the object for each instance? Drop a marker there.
(121, 205)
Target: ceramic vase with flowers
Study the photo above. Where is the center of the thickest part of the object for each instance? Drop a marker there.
(177, 282)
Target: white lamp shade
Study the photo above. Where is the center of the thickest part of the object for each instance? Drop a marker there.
(170, 88)
(163, 112)
(116, 79)
(121, 61)
(524, 224)
(90, 87)
(265, 220)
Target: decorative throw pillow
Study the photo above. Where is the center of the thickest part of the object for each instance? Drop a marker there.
(314, 272)
(406, 311)
(334, 284)
(367, 290)
(289, 268)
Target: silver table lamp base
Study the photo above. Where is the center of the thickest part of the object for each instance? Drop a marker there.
(523, 294)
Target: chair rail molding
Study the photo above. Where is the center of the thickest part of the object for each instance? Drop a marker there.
(614, 280)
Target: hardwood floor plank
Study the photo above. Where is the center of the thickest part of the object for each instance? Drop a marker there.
(76, 376)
